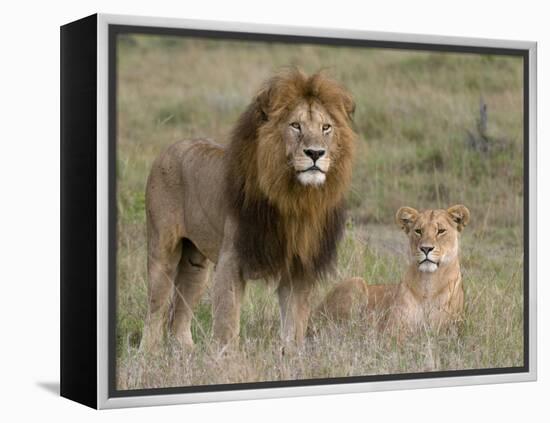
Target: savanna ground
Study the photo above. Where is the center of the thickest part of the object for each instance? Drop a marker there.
(422, 142)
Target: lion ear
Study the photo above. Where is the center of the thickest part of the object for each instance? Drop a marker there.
(460, 215)
(349, 105)
(262, 103)
(405, 218)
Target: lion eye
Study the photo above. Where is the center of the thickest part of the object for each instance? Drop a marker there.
(327, 127)
(441, 231)
(418, 231)
(295, 125)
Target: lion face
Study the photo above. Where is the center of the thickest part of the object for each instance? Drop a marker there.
(304, 141)
(308, 138)
(433, 234)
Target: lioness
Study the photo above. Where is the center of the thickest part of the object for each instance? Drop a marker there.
(269, 205)
(431, 291)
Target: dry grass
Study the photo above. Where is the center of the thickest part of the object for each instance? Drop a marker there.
(414, 110)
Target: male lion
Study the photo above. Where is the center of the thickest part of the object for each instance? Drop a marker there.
(431, 292)
(269, 205)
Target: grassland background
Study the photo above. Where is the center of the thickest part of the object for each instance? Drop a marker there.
(414, 112)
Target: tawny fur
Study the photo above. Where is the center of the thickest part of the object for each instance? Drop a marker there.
(244, 208)
(427, 296)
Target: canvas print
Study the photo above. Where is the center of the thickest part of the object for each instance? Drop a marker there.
(291, 210)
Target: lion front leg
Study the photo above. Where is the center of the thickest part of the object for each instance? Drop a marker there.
(294, 304)
(228, 290)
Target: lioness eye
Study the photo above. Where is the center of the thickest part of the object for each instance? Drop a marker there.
(418, 231)
(295, 125)
(441, 231)
(326, 127)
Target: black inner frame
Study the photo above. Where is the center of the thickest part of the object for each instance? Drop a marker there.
(115, 30)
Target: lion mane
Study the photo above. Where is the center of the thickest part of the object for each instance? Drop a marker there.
(282, 225)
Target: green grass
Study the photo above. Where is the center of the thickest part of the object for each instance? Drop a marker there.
(413, 112)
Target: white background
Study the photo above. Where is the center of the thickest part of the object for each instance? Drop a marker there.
(29, 177)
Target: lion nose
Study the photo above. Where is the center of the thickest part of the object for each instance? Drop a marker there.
(314, 154)
(426, 250)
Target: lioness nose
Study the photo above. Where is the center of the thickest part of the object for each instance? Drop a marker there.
(314, 154)
(426, 250)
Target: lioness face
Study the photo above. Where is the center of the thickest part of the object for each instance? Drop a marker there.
(308, 136)
(433, 234)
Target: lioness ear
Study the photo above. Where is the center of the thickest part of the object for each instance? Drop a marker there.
(405, 218)
(460, 214)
